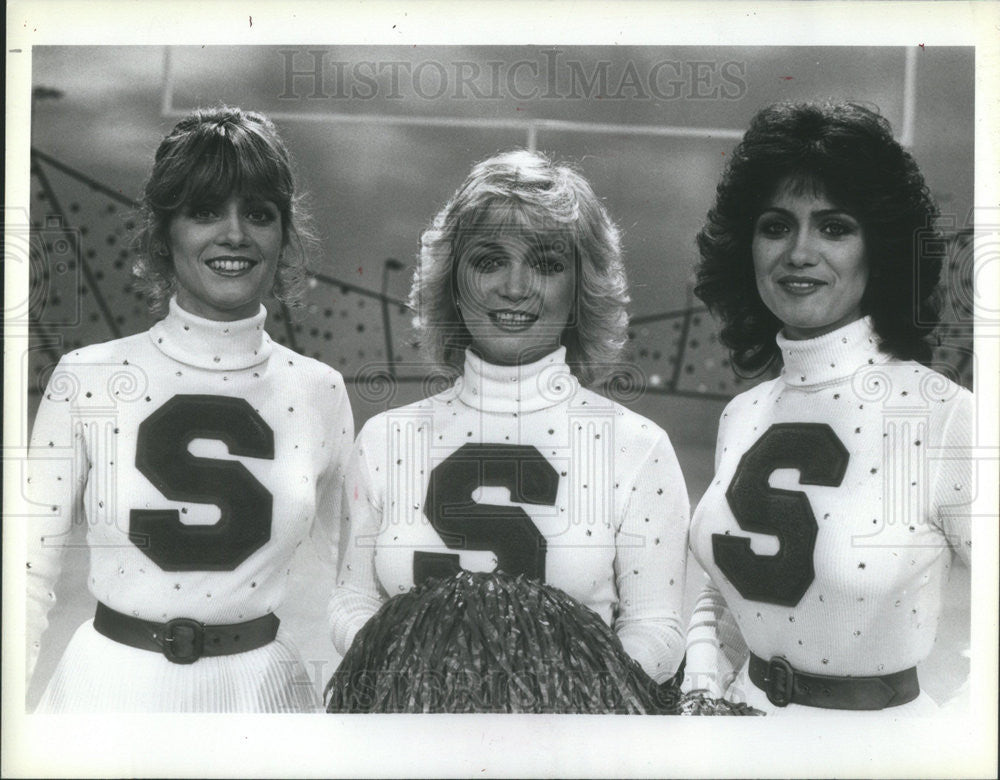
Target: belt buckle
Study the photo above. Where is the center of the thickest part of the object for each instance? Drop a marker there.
(779, 681)
(183, 640)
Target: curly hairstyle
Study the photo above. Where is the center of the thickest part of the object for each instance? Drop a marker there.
(846, 152)
(525, 191)
(208, 156)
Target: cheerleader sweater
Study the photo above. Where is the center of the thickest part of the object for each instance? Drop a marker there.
(521, 469)
(199, 454)
(841, 493)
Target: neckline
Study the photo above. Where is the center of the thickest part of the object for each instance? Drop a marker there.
(520, 389)
(832, 356)
(212, 344)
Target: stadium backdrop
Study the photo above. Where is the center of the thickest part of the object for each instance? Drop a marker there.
(382, 136)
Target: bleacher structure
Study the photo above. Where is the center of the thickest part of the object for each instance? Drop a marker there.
(81, 292)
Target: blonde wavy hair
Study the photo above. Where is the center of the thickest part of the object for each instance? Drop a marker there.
(525, 191)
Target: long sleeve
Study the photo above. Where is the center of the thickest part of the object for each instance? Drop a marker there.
(953, 488)
(715, 648)
(56, 476)
(650, 564)
(357, 595)
(330, 487)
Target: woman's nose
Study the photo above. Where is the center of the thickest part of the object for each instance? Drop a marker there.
(233, 231)
(803, 249)
(518, 280)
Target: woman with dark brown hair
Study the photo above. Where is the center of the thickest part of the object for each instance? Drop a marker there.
(200, 454)
(842, 488)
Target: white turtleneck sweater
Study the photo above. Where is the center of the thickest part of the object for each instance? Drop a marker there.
(523, 470)
(841, 493)
(238, 439)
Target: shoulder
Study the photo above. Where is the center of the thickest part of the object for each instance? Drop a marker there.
(378, 424)
(117, 352)
(308, 373)
(916, 395)
(112, 367)
(306, 367)
(631, 428)
(749, 397)
(912, 384)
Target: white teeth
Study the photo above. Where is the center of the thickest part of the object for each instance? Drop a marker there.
(229, 265)
(513, 318)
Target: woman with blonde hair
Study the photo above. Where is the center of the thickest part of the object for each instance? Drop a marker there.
(517, 467)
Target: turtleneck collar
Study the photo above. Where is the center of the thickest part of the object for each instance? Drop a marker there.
(212, 344)
(519, 389)
(832, 356)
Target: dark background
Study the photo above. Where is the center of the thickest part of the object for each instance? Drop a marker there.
(375, 184)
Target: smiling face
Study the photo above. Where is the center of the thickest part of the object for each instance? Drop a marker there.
(809, 260)
(225, 256)
(515, 292)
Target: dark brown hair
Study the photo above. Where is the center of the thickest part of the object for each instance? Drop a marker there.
(847, 152)
(208, 156)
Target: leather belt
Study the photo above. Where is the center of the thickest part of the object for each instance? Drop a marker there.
(183, 640)
(785, 685)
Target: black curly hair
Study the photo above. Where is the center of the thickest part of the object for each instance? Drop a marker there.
(847, 152)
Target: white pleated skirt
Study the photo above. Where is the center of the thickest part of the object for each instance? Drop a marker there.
(743, 690)
(97, 674)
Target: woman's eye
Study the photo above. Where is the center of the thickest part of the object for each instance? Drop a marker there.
(772, 228)
(202, 213)
(487, 263)
(551, 265)
(262, 212)
(837, 228)
(484, 259)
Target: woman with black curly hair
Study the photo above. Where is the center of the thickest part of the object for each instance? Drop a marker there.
(842, 486)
